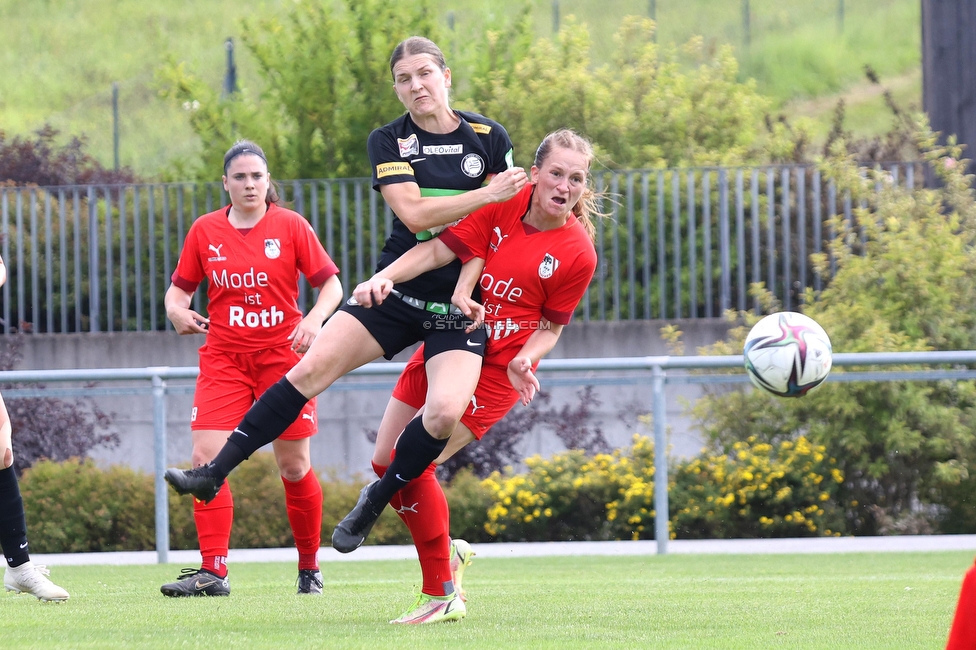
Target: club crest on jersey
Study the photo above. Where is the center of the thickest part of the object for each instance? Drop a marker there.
(272, 248)
(472, 165)
(409, 146)
(548, 266)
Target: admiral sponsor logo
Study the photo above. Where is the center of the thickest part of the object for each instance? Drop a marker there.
(393, 169)
(272, 248)
(548, 266)
(480, 129)
(443, 149)
(216, 251)
(409, 146)
(473, 165)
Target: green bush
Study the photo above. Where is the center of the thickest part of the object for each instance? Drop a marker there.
(759, 491)
(905, 280)
(573, 496)
(469, 501)
(75, 506)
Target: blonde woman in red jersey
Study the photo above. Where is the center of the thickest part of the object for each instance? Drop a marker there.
(533, 258)
(251, 253)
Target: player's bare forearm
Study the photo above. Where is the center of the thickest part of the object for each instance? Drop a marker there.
(542, 341)
(6, 448)
(421, 258)
(418, 260)
(330, 296)
(419, 213)
(185, 320)
(539, 344)
(467, 280)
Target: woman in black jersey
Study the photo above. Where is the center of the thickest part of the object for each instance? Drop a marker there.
(433, 166)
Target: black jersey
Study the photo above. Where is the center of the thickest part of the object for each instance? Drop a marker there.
(441, 164)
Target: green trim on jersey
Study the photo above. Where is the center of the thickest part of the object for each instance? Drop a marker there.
(424, 235)
(433, 191)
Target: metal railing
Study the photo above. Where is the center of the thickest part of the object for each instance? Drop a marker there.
(680, 243)
(656, 366)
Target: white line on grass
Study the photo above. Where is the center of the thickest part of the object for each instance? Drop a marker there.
(902, 543)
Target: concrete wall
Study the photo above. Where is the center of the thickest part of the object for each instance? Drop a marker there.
(354, 405)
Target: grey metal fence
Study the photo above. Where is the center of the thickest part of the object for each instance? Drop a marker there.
(659, 371)
(679, 243)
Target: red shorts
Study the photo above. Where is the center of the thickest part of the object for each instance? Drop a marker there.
(492, 400)
(230, 382)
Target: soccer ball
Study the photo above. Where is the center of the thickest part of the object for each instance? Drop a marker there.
(787, 354)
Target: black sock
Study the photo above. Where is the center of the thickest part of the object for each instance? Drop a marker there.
(13, 524)
(267, 419)
(415, 451)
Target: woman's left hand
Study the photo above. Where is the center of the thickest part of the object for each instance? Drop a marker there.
(523, 380)
(303, 335)
(471, 308)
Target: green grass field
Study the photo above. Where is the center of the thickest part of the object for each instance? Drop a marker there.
(858, 600)
(61, 57)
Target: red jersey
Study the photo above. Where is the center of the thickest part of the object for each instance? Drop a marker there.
(252, 279)
(529, 273)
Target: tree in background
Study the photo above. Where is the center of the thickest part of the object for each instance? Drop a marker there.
(41, 161)
(326, 70)
(327, 85)
(905, 280)
(654, 106)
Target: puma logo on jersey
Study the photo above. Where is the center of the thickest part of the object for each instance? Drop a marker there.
(474, 405)
(216, 251)
(308, 416)
(405, 509)
(499, 238)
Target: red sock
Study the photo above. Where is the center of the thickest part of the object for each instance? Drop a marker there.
(962, 635)
(303, 499)
(214, 521)
(423, 508)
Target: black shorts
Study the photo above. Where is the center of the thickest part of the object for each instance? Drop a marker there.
(396, 325)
